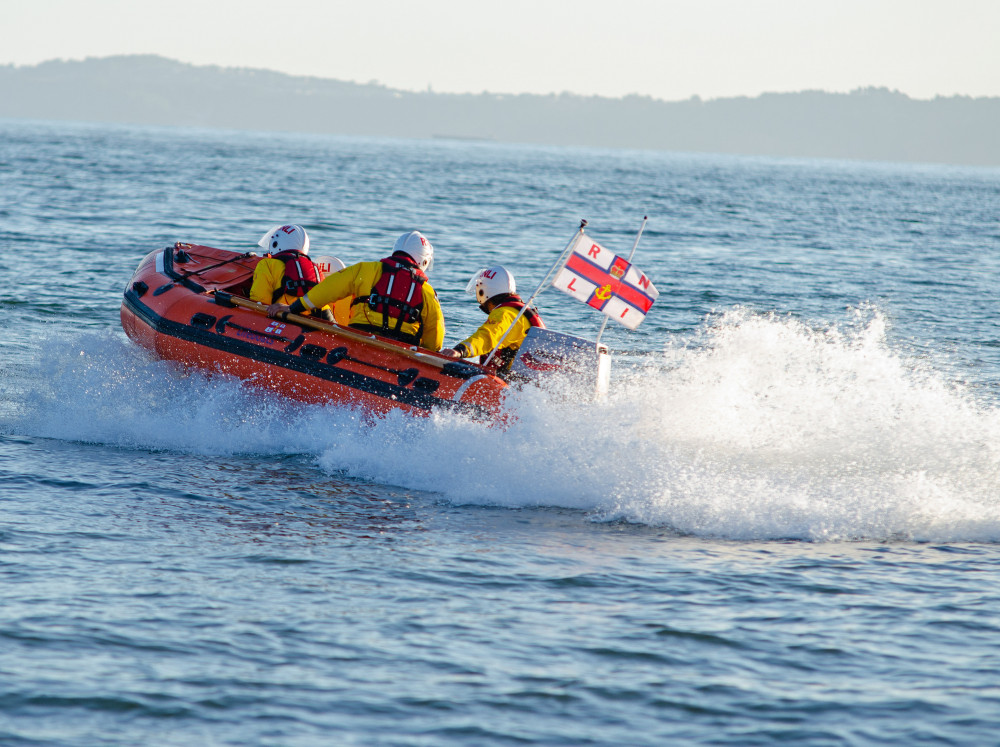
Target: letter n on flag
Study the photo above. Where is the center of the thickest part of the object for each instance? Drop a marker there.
(609, 283)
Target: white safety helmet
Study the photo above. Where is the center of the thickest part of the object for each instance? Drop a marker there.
(490, 282)
(328, 265)
(285, 238)
(416, 245)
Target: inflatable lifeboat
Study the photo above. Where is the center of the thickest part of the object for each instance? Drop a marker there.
(188, 304)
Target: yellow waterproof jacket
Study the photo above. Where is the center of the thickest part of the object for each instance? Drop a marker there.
(268, 276)
(488, 335)
(357, 281)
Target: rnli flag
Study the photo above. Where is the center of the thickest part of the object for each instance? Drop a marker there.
(609, 283)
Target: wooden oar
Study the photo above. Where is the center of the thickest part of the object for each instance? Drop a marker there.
(228, 299)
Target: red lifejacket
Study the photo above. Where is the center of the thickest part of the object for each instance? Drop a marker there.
(301, 274)
(515, 302)
(398, 296)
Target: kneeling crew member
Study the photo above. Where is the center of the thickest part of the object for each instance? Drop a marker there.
(286, 273)
(497, 295)
(391, 297)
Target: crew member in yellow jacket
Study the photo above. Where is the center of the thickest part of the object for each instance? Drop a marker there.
(287, 272)
(391, 297)
(496, 292)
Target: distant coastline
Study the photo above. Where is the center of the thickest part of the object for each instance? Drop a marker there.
(866, 124)
(464, 138)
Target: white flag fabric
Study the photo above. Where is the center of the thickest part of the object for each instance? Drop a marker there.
(607, 282)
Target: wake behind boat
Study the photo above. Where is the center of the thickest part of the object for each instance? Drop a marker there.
(188, 304)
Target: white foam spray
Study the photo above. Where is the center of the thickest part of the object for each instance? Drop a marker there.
(759, 427)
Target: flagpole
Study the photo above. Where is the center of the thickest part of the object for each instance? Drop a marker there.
(561, 260)
(631, 254)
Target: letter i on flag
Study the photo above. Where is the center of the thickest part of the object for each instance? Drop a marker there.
(609, 283)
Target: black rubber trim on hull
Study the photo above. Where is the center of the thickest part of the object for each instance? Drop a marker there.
(324, 371)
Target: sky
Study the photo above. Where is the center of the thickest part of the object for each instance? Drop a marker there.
(666, 49)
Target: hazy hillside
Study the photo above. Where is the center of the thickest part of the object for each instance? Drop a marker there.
(866, 124)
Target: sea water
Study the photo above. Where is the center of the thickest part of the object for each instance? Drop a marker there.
(781, 526)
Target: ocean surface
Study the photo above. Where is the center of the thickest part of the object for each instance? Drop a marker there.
(781, 527)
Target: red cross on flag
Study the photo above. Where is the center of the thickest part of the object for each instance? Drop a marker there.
(609, 283)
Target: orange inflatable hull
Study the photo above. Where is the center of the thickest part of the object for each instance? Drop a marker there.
(189, 304)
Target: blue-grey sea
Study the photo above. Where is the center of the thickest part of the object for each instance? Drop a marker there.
(782, 526)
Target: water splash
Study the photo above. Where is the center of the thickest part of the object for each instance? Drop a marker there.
(769, 428)
(762, 427)
(758, 427)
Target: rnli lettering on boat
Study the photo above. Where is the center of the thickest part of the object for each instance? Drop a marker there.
(254, 337)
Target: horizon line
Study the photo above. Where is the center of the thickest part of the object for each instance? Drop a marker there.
(375, 83)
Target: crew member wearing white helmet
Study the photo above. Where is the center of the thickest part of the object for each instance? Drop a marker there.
(286, 273)
(391, 297)
(496, 292)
